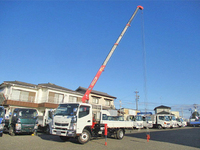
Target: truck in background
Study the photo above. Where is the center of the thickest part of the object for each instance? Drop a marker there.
(181, 122)
(161, 121)
(146, 117)
(174, 123)
(147, 121)
(137, 121)
(45, 120)
(2, 120)
(23, 120)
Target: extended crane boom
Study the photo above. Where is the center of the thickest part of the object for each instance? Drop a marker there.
(86, 95)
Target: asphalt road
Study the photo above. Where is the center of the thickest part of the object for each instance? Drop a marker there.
(187, 138)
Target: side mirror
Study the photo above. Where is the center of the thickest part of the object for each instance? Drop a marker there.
(14, 115)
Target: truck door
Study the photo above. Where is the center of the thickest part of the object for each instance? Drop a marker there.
(84, 118)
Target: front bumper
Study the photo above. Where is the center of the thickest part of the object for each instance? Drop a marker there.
(68, 133)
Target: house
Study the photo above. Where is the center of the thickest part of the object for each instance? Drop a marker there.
(99, 98)
(41, 96)
(162, 110)
(46, 95)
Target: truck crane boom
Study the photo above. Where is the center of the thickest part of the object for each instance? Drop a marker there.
(85, 98)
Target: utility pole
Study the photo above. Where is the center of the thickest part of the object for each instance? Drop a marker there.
(137, 99)
(120, 106)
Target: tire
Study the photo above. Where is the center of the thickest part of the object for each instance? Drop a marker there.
(1, 134)
(64, 138)
(84, 137)
(159, 126)
(11, 131)
(120, 134)
(47, 129)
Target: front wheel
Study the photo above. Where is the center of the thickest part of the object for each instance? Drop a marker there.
(11, 131)
(84, 137)
(120, 134)
(159, 127)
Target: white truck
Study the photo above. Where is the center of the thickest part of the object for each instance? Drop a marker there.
(137, 121)
(45, 119)
(161, 121)
(147, 121)
(174, 122)
(80, 120)
(76, 120)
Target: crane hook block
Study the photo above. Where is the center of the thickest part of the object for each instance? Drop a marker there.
(140, 7)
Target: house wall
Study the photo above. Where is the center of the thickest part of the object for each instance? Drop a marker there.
(162, 109)
(101, 100)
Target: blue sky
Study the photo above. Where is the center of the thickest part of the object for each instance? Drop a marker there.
(65, 42)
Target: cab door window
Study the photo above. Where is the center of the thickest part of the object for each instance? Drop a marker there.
(83, 111)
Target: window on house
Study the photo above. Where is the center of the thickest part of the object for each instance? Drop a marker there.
(108, 103)
(95, 100)
(72, 99)
(55, 98)
(24, 96)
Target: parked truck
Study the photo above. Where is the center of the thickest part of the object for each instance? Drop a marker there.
(147, 121)
(45, 119)
(161, 121)
(137, 121)
(23, 120)
(81, 120)
(174, 122)
(2, 120)
(76, 120)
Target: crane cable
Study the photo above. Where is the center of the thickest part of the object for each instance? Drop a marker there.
(145, 74)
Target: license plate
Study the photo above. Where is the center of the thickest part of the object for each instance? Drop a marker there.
(58, 132)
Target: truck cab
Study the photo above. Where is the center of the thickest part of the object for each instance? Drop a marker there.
(147, 122)
(23, 120)
(2, 120)
(174, 123)
(137, 121)
(161, 121)
(72, 120)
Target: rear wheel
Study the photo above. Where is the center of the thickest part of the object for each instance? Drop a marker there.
(120, 134)
(84, 137)
(11, 131)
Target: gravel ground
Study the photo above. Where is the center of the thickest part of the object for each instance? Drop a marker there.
(168, 139)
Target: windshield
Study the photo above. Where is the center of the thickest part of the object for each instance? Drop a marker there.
(167, 118)
(173, 118)
(27, 113)
(148, 118)
(139, 118)
(66, 109)
(1, 112)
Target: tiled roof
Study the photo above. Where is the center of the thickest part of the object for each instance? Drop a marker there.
(162, 106)
(51, 85)
(83, 90)
(20, 83)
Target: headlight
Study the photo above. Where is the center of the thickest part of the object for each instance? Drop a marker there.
(72, 126)
(1, 126)
(18, 126)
